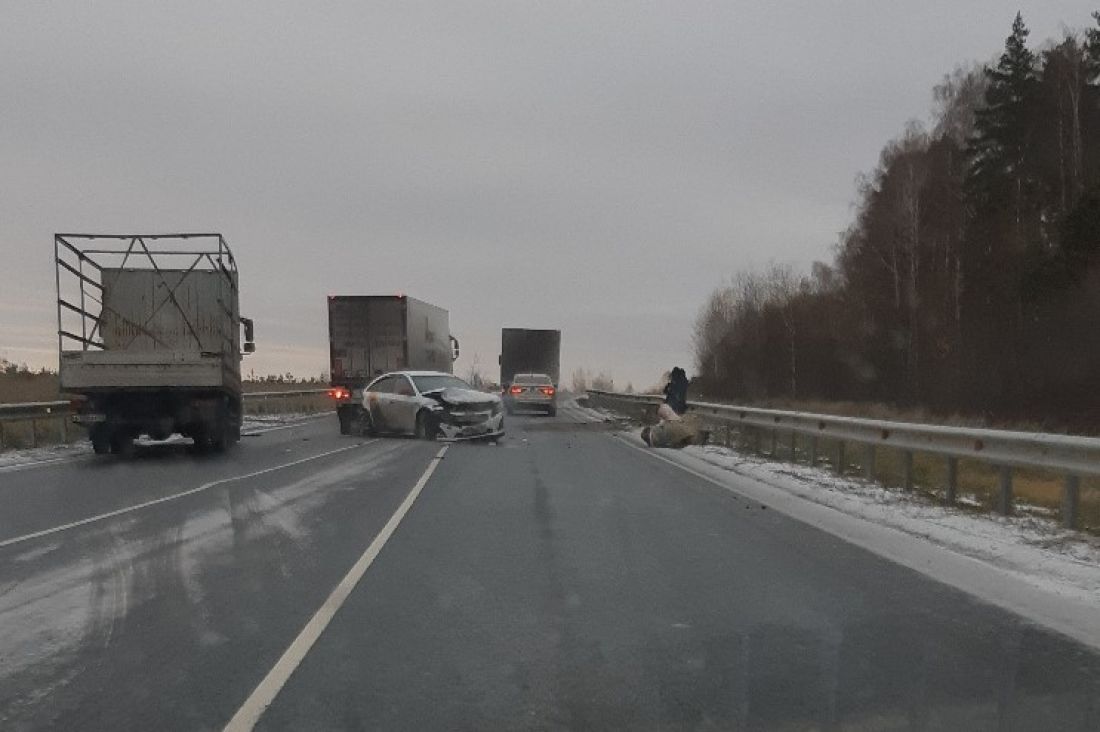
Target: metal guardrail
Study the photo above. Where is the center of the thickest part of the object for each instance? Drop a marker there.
(1072, 456)
(35, 412)
(250, 395)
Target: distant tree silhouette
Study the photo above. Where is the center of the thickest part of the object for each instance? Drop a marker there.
(969, 278)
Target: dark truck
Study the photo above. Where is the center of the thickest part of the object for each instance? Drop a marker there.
(149, 337)
(370, 335)
(529, 351)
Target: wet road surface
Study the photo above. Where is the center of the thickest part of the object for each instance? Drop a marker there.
(556, 580)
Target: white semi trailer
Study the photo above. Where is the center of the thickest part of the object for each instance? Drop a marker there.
(149, 335)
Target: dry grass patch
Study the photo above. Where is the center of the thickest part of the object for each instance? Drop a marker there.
(16, 388)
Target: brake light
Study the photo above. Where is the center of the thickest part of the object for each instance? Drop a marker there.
(547, 390)
(516, 390)
(339, 393)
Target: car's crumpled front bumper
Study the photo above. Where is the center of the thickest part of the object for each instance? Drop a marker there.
(470, 424)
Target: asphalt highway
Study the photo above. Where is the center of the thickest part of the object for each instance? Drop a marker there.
(558, 579)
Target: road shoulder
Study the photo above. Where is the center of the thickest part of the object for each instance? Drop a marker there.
(1067, 607)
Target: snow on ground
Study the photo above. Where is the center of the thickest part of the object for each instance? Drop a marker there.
(1023, 542)
(54, 453)
(257, 423)
(253, 425)
(595, 414)
(1025, 563)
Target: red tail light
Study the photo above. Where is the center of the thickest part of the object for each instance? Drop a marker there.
(547, 390)
(516, 390)
(339, 393)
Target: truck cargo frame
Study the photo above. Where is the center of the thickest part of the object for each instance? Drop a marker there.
(148, 330)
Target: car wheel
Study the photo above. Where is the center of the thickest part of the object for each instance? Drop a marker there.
(424, 429)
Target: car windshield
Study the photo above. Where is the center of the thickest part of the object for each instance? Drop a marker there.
(436, 382)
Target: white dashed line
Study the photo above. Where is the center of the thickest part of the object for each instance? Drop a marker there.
(173, 497)
(260, 699)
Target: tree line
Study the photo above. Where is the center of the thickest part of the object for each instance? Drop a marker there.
(969, 279)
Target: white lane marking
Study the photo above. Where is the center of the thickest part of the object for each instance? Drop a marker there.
(173, 497)
(1067, 611)
(16, 467)
(262, 430)
(260, 699)
(703, 476)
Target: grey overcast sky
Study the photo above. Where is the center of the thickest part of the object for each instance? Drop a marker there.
(597, 167)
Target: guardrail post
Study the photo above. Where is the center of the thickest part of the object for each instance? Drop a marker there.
(729, 436)
(775, 445)
(907, 470)
(952, 490)
(813, 451)
(869, 461)
(756, 440)
(1071, 496)
(34, 433)
(1, 435)
(1004, 493)
(794, 446)
(839, 466)
(65, 430)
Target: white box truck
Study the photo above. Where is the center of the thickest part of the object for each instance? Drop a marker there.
(529, 351)
(370, 335)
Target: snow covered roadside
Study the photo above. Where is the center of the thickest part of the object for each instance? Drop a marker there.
(596, 415)
(1024, 564)
(12, 460)
(256, 424)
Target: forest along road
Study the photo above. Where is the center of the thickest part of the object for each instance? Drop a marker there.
(560, 579)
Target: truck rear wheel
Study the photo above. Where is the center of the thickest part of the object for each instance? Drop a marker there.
(347, 419)
(219, 440)
(218, 437)
(101, 439)
(122, 444)
(236, 418)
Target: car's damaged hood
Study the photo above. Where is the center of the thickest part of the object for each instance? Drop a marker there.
(456, 397)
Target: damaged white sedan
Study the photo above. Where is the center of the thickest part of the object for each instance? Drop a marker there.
(430, 404)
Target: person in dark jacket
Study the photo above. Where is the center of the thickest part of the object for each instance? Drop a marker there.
(676, 391)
